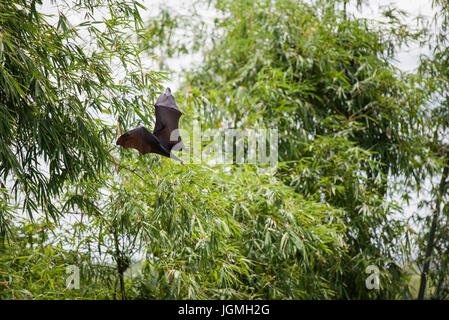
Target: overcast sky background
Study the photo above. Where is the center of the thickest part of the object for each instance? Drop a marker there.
(407, 59)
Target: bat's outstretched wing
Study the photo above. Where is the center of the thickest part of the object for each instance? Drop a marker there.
(142, 140)
(167, 121)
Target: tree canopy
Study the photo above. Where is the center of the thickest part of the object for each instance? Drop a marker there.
(357, 138)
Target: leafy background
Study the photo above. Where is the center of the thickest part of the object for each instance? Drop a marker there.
(358, 139)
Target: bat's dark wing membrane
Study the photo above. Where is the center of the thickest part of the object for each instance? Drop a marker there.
(142, 140)
(167, 121)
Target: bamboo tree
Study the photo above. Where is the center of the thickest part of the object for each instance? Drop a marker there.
(430, 244)
(433, 72)
(56, 92)
(349, 124)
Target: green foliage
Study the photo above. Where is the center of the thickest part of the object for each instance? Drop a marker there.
(210, 234)
(433, 238)
(350, 125)
(33, 266)
(53, 87)
(348, 121)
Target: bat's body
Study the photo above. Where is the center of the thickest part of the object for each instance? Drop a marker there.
(165, 134)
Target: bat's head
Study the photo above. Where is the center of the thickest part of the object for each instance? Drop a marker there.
(123, 139)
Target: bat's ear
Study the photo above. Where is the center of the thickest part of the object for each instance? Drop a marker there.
(167, 91)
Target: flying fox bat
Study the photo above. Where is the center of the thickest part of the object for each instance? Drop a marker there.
(165, 134)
